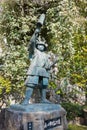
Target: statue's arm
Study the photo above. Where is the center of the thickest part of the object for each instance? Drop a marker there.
(34, 37)
(32, 44)
(50, 63)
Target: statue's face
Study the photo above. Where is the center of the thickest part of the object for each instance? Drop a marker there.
(41, 47)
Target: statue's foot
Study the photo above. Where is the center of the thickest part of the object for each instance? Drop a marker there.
(46, 101)
(25, 102)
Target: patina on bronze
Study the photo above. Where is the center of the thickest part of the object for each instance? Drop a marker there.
(38, 72)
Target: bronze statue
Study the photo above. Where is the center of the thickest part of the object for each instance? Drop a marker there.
(40, 65)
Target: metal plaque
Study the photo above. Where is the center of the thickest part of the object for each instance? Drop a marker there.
(30, 125)
(52, 123)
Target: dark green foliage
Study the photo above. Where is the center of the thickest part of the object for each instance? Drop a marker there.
(73, 110)
(76, 127)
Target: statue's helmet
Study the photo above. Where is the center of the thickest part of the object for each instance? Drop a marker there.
(41, 43)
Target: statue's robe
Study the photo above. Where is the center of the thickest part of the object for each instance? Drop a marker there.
(38, 73)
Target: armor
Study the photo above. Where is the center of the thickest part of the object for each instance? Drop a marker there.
(40, 64)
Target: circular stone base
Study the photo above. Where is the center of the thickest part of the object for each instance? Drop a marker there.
(35, 117)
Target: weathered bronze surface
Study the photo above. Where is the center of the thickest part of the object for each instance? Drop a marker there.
(39, 69)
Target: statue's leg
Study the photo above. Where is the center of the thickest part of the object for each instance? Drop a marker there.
(43, 96)
(28, 94)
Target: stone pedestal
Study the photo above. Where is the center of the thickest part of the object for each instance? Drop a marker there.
(35, 117)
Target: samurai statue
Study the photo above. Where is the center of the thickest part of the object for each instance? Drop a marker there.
(40, 64)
